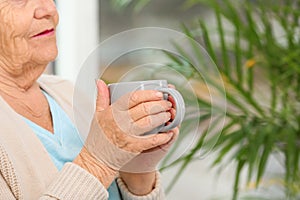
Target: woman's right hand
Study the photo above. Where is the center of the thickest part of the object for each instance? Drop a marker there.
(116, 131)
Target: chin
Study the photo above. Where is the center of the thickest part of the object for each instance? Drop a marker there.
(45, 55)
(43, 50)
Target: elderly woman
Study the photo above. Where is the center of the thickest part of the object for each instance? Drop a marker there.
(41, 153)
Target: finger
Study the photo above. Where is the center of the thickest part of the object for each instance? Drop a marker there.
(155, 140)
(173, 113)
(135, 98)
(165, 147)
(175, 133)
(171, 99)
(102, 101)
(149, 108)
(169, 122)
(148, 123)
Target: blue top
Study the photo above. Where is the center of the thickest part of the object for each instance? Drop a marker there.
(65, 143)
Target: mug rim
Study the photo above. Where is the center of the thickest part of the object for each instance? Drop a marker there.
(138, 82)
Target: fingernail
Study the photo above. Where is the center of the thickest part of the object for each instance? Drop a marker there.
(170, 104)
(169, 116)
(159, 94)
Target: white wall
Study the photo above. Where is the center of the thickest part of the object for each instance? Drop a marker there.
(78, 35)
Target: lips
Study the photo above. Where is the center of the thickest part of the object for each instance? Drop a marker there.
(44, 33)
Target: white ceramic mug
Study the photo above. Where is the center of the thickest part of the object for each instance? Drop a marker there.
(119, 89)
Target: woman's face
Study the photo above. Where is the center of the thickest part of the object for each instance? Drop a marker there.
(27, 33)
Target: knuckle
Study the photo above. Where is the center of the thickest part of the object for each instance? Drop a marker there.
(154, 141)
(146, 122)
(116, 139)
(145, 108)
(134, 97)
(144, 125)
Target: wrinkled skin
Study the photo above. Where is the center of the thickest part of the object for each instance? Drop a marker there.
(24, 55)
(19, 50)
(119, 138)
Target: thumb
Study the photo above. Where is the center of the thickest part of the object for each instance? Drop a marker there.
(102, 101)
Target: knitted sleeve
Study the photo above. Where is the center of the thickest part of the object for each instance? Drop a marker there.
(72, 182)
(156, 194)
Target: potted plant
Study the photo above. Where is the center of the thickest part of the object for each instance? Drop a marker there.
(257, 51)
(258, 58)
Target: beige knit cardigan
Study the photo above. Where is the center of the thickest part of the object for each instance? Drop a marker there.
(27, 171)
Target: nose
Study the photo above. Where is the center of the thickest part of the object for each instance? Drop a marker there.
(45, 9)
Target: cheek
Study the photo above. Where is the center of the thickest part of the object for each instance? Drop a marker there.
(13, 43)
(44, 51)
(16, 50)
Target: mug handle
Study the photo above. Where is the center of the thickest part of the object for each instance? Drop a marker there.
(180, 108)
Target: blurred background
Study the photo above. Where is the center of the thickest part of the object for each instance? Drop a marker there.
(255, 46)
(83, 26)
